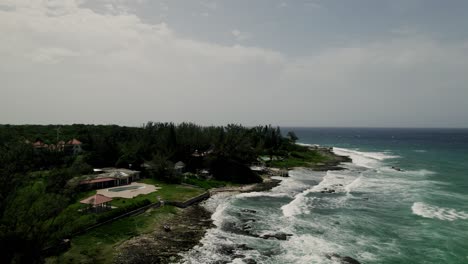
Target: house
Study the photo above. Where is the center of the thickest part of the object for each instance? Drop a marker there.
(108, 177)
(75, 146)
(39, 144)
(179, 167)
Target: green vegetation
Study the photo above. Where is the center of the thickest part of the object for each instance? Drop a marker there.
(97, 246)
(40, 206)
(299, 158)
(205, 183)
(173, 192)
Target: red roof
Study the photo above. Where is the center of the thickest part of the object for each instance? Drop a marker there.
(38, 143)
(106, 179)
(74, 142)
(96, 199)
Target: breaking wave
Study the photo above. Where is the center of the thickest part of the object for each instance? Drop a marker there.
(364, 159)
(435, 212)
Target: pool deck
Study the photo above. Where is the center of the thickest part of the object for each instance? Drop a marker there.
(147, 188)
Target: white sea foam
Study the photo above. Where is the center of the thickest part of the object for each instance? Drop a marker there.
(420, 150)
(435, 212)
(364, 159)
(289, 186)
(307, 249)
(419, 172)
(335, 181)
(297, 206)
(354, 184)
(306, 145)
(298, 180)
(260, 194)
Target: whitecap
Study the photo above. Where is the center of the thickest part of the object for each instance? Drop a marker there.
(435, 212)
(422, 172)
(364, 159)
(260, 194)
(307, 145)
(297, 206)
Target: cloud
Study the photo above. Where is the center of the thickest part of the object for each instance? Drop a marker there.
(240, 36)
(211, 5)
(66, 63)
(282, 4)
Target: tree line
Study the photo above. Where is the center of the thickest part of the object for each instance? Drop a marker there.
(33, 182)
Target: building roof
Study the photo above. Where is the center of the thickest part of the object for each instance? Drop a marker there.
(179, 165)
(38, 143)
(96, 180)
(74, 142)
(96, 199)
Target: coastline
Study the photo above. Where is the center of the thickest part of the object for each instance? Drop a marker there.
(189, 225)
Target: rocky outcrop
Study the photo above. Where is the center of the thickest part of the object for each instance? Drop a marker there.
(160, 246)
(278, 236)
(342, 260)
(333, 160)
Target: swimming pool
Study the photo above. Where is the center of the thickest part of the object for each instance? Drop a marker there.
(125, 188)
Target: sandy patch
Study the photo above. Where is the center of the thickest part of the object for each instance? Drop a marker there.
(134, 189)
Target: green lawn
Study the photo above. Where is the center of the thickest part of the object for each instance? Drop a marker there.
(169, 192)
(173, 192)
(97, 246)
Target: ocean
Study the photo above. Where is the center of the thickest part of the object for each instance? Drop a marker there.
(377, 214)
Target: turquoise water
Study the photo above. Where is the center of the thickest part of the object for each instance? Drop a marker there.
(375, 215)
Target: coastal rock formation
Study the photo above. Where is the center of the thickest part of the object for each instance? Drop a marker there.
(342, 260)
(278, 236)
(160, 246)
(333, 160)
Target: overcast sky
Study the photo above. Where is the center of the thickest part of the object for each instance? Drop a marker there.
(396, 63)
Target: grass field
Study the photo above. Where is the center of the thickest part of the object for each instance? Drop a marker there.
(97, 246)
(305, 158)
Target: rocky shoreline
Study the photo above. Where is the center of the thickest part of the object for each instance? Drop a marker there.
(187, 228)
(189, 225)
(334, 161)
(183, 231)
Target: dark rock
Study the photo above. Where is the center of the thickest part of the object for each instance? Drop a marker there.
(249, 211)
(244, 247)
(250, 261)
(342, 260)
(279, 236)
(238, 256)
(349, 260)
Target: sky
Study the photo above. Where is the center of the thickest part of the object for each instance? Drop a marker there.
(361, 63)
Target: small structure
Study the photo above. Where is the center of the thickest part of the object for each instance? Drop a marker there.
(72, 146)
(108, 177)
(75, 146)
(179, 167)
(97, 202)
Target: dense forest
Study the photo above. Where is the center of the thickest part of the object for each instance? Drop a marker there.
(34, 190)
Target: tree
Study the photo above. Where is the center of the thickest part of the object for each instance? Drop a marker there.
(163, 169)
(292, 136)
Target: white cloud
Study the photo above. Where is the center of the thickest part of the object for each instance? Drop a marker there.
(240, 36)
(72, 64)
